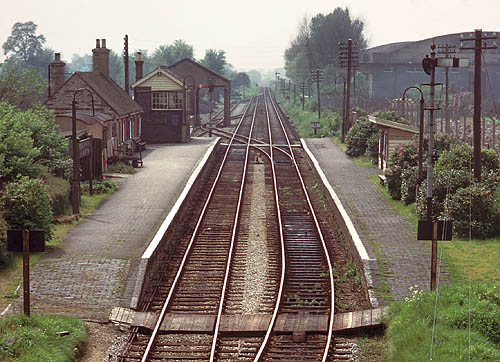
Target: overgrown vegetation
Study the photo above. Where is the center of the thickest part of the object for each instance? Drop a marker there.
(41, 338)
(330, 122)
(120, 167)
(427, 327)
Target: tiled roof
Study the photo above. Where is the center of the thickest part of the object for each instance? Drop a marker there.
(221, 77)
(88, 118)
(111, 93)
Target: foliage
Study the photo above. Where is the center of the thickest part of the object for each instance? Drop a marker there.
(317, 39)
(4, 254)
(23, 43)
(59, 191)
(21, 88)
(170, 54)
(99, 187)
(36, 338)
(120, 167)
(357, 137)
(17, 152)
(474, 207)
(372, 146)
(409, 184)
(411, 324)
(403, 156)
(330, 122)
(26, 205)
(392, 116)
(215, 60)
(29, 139)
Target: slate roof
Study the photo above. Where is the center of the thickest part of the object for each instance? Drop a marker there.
(224, 79)
(110, 92)
(88, 118)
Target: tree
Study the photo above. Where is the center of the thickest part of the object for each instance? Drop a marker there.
(316, 44)
(80, 63)
(255, 76)
(215, 60)
(22, 89)
(170, 54)
(23, 43)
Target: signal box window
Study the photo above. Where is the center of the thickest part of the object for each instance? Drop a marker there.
(167, 100)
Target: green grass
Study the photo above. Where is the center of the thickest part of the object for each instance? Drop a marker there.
(35, 338)
(120, 167)
(10, 275)
(410, 331)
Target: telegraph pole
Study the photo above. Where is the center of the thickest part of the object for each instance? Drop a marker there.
(347, 59)
(125, 60)
(317, 76)
(446, 49)
(476, 125)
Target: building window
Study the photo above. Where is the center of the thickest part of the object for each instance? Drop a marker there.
(167, 100)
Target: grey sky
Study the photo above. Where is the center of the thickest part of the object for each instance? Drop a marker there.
(253, 33)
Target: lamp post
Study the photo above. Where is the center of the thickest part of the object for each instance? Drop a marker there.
(421, 131)
(75, 189)
(343, 107)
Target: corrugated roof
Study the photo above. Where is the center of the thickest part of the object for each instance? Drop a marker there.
(110, 92)
(392, 124)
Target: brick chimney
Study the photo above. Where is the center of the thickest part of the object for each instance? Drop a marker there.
(100, 58)
(56, 69)
(139, 63)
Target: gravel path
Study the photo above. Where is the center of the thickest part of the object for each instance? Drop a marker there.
(256, 271)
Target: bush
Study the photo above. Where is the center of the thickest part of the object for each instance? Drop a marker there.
(372, 143)
(357, 137)
(59, 191)
(99, 187)
(402, 157)
(409, 184)
(4, 254)
(460, 157)
(120, 167)
(476, 207)
(26, 205)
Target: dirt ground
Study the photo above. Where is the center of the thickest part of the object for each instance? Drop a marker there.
(101, 338)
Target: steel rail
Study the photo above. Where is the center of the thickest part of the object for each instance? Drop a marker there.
(282, 240)
(320, 234)
(188, 249)
(233, 238)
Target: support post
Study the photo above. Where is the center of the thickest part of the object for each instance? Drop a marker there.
(434, 255)
(75, 190)
(477, 104)
(348, 91)
(430, 159)
(26, 272)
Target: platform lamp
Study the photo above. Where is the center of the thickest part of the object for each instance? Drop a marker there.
(421, 130)
(343, 106)
(75, 189)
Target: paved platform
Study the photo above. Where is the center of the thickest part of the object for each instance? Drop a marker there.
(397, 259)
(95, 268)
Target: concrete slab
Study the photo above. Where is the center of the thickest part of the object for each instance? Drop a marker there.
(384, 237)
(95, 268)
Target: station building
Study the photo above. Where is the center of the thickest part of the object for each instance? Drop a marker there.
(115, 118)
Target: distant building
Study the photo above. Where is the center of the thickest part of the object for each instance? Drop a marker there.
(164, 98)
(393, 67)
(117, 116)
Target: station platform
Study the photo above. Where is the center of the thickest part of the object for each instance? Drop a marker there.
(95, 268)
(393, 259)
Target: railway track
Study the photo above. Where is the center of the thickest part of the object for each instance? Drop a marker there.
(253, 262)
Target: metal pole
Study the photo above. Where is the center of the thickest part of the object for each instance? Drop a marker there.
(420, 142)
(430, 165)
(91, 166)
(303, 88)
(477, 105)
(26, 272)
(75, 190)
(294, 93)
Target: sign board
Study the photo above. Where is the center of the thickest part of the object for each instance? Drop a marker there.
(453, 62)
(445, 230)
(15, 240)
(315, 125)
(85, 147)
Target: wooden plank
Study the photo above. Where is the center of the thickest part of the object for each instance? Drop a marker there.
(376, 315)
(366, 318)
(347, 323)
(356, 319)
(338, 321)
